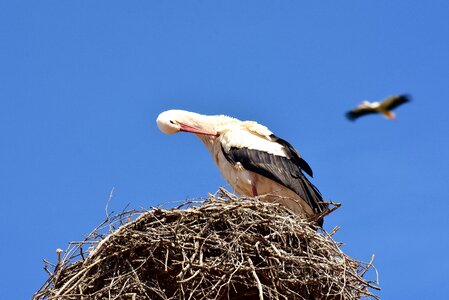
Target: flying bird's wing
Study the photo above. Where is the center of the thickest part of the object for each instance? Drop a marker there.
(359, 112)
(279, 169)
(395, 101)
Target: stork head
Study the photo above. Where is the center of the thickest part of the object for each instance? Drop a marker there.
(173, 121)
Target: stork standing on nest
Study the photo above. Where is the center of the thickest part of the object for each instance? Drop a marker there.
(253, 160)
(384, 108)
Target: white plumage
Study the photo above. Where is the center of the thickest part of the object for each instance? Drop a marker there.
(251, 159)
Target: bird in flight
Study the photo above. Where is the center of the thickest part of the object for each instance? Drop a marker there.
(384, 107)
(253, 160)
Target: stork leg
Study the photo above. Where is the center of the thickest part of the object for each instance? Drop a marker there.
(254, 190)
(390, 115)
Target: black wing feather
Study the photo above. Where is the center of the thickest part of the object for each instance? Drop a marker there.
(395, 101)
(279, 169)
(357, 113)
(294, 155)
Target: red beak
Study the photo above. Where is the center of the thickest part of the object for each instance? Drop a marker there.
(188, 128)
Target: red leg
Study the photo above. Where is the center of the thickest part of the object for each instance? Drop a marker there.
(254, 190)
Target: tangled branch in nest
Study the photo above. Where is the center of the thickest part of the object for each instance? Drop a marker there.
(223, 247)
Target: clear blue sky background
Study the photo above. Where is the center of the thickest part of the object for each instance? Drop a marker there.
(81, 83)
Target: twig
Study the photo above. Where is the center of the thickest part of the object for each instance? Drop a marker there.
(107, 209)
(368, 266)
(259, 285)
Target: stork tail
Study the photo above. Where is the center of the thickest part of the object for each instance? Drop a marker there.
(313, 197)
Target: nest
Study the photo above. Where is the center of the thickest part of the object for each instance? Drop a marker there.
(222, 247)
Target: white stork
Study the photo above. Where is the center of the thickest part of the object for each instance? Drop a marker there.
(384, 107)
(251, 159)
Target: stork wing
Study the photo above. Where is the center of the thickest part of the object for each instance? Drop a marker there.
(394, 101)
(279, 169)
(264, 133)
(293, 155)
(359, 112)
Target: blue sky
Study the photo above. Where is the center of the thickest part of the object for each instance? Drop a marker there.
(82, 83)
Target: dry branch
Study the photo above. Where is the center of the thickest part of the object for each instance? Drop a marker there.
(222, 247)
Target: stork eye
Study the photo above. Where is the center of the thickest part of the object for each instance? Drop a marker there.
(172, 122)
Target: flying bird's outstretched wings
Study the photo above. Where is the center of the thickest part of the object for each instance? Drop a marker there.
(384, 108)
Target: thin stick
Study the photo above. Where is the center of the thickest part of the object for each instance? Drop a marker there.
(107, 208)
(259, 285)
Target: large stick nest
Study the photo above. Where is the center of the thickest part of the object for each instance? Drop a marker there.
(223, 247)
